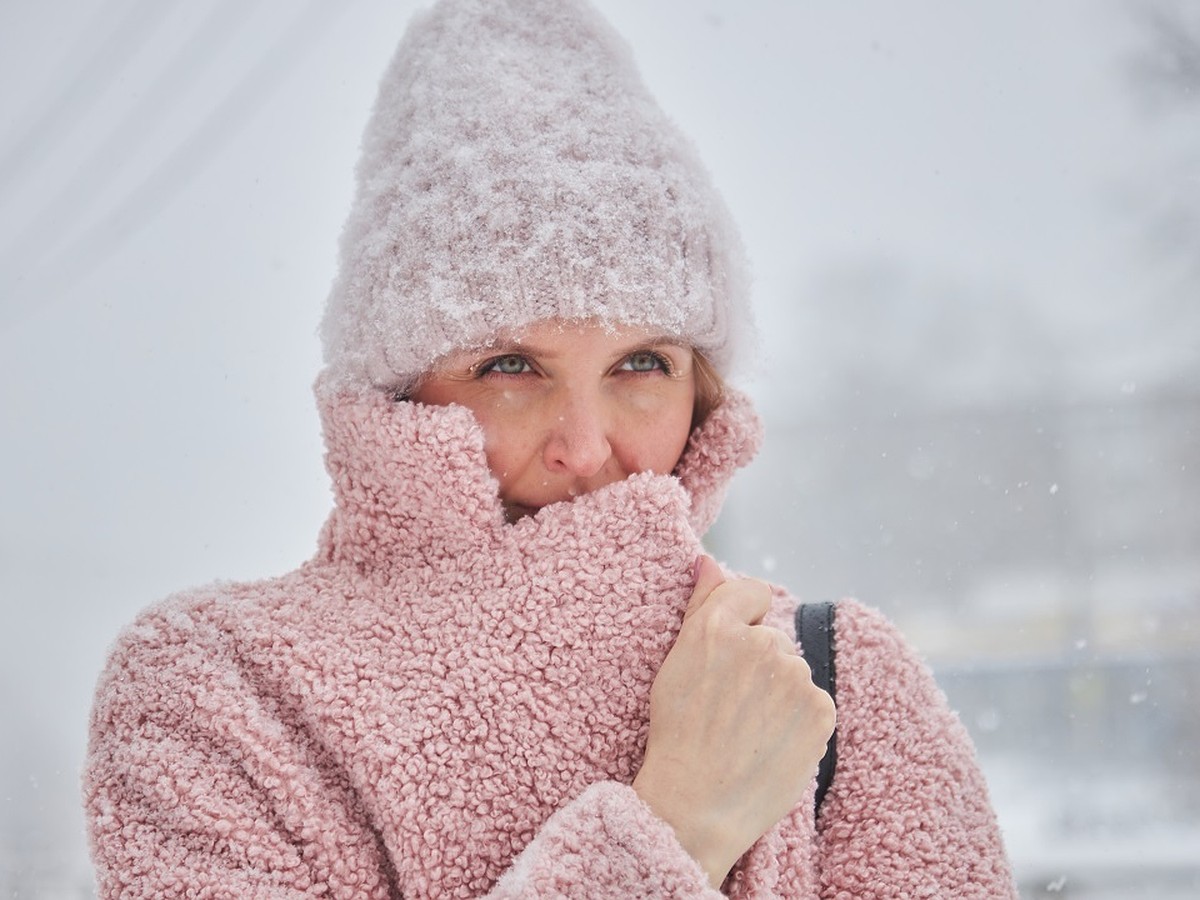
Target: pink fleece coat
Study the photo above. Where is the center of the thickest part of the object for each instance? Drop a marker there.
(444, 704)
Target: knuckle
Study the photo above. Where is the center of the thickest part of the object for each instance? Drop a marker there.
(807, 693)
(750, 587)
(821, 711)
(827, 709)
(759, 590)
(827, 724)
(772, 642)
(778, 640)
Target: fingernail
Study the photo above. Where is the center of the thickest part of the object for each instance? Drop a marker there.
(696, 569)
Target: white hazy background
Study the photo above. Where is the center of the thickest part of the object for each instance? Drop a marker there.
(975, 230)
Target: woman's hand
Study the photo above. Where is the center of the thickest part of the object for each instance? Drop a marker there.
(737, 727)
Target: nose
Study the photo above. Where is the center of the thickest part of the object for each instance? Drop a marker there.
(577, 442)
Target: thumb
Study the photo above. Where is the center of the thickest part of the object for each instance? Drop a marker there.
(708, 577)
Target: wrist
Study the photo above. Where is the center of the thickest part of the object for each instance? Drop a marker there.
(707, 842)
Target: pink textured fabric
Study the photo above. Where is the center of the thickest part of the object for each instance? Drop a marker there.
(441, 704)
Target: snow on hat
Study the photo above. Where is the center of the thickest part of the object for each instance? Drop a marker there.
(515, 169)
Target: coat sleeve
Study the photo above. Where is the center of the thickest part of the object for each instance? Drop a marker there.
(199, 783)
(908, 813)
(606, 843)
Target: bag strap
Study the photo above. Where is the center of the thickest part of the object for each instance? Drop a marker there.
(815, 632)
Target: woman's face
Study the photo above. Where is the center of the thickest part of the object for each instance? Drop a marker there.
(569, 408)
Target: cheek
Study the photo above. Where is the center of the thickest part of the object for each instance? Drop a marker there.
(507, 442)
(660, 431)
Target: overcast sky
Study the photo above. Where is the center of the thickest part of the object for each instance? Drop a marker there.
(173, 179)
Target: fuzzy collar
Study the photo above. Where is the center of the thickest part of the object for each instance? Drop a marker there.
(413, 480)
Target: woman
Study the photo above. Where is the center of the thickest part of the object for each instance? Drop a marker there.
(510, 669)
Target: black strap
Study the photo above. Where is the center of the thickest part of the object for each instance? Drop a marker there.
(815, 632)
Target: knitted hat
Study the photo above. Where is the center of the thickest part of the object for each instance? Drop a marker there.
(515, 169)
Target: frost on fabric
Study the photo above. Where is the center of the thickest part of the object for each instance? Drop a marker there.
(515, 169)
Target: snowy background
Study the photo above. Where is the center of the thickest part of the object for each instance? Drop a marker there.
(976, 236)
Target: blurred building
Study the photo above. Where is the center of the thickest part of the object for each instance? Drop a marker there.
(1042, 552)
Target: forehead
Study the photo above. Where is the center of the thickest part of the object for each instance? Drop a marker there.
(557, 337)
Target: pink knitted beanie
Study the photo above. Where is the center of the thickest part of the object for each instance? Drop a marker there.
(514, 169)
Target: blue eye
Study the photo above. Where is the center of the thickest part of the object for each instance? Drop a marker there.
(646, 361)
(512, 364)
